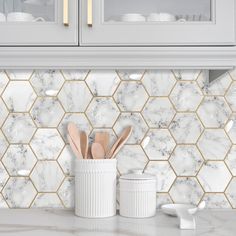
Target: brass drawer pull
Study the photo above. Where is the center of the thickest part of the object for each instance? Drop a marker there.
(66, 12)
(90, 13)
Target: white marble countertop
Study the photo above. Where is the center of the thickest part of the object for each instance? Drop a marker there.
(64, 223)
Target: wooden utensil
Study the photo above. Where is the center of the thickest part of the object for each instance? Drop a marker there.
(103, 138)
(97, 151)
(74, 135)
(74, 149)
(84, 144)
(120, 142)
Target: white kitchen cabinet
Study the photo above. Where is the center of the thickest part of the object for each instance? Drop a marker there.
(157, 22)
(38, 22)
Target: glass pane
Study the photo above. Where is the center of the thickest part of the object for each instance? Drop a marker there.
(27, 10)
(157, 10)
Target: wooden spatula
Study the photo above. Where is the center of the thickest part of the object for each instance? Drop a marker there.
(103, 138)
(74, 149)
(97, 151)
(120, 142)
(74, 135)
(84, 144)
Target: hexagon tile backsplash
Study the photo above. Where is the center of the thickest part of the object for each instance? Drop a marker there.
(184, 132)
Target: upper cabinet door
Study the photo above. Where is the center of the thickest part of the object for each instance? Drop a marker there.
(39, 22)
(157, 22)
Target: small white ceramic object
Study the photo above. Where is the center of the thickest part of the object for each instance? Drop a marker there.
(137, 195)
(161, 17)
(132, 17)
(22, 17)
(95, 188)
(185, 213)
(2, 17)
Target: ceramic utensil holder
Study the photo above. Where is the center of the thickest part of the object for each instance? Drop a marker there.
(137, 195)
(95, 188)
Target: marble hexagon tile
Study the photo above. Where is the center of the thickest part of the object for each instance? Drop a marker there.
(3, 112)
(230, 160)
(18, 158)
(102, 112)
(216, 201)
(3, 144)
(19, 96)
(165, 176)
(102, 82)
(159, 82)
(47, 112)
(19, 192)
(47, 82)
(158, 144)
(188, 75)
(47, 200)
(19, 74)
(19, 128)
(131, 96)
(75, 74)
(186, 96)
(212, 171)
(131, 74)
(186, 190)
(214, 144)
(75, 96)
(214, 112)
(3, 81)
(131, 157)
(3, 176)
(231, 192)
(158, 112)
(47, 144)
(217, 88)
(186, 128)
(186, 160)
(67, 161)
(47, 176)
(136, 121)
(230, 128)
(231, 96)
(67, 192)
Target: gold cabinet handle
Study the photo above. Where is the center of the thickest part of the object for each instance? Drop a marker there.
(90, 13)
(66, 12)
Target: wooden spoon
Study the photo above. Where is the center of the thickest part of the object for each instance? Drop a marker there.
(120, 142)
(74, 135)
(84, 144)
(97, 151)
(103, 138)
(74, 149)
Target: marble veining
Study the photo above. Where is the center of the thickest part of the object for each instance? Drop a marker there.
(158, 112)
(184, 132)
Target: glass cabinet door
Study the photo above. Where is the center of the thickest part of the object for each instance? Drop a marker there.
(158, 22)
(39, 22)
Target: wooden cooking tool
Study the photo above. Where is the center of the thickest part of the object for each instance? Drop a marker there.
(74, 149)
(84, 144)
(97, 151)
(103, 138)
(120, 142)
(74, 135)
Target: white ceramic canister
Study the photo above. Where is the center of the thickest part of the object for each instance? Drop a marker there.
(137, 195)
(95, 188)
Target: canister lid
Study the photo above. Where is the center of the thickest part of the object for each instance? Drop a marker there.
(137, 174)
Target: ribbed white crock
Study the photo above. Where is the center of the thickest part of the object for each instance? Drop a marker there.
(95, 188)
(138, 197)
